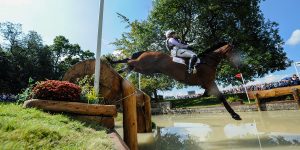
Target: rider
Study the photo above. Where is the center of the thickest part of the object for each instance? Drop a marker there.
(178, 49)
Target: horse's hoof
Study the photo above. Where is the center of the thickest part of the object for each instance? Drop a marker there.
(236, 117)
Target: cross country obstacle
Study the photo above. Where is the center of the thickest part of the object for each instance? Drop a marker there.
(118, 93)
(276, 92)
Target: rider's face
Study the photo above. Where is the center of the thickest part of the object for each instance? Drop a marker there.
(174, 35)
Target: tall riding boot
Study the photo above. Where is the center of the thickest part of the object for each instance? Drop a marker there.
(192, 63)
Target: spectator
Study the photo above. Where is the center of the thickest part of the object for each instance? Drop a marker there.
(295, 80)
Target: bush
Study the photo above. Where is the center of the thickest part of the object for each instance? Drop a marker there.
(231, 99)
(57, 90)
(88, 93)
(27, 93)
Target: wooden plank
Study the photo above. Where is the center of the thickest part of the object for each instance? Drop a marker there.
(73, 107)
(129, 116)
(273, 92)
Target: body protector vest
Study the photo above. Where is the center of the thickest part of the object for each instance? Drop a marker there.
(170, 46)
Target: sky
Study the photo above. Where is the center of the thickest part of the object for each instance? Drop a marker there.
(77, 20)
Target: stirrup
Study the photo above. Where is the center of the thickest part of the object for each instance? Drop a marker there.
(189, 70)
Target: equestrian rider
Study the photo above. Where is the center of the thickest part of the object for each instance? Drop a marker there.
(178, 49)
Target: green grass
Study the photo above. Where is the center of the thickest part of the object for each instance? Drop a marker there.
(119, 117)
(33, 129)
(192, 102)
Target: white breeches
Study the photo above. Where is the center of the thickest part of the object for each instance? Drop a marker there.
(182, 53)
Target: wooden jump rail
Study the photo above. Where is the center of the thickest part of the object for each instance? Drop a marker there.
(259, 95)
(136, 104)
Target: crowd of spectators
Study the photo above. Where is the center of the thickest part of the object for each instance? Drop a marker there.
(187, 96)
(288, 81)
(183, 96)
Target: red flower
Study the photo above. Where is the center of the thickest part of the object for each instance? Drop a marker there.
(57, 90)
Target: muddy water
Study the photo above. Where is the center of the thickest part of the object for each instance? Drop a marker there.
(279, 130)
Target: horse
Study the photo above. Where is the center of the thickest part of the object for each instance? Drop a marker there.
(150, 62)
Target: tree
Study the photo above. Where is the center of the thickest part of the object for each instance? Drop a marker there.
(12, 33)
(24, 55)
(206, 23)
(151, 84)
(66, 54)
(143, 36)
(4, 71)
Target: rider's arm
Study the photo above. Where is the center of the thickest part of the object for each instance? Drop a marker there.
(176, 43)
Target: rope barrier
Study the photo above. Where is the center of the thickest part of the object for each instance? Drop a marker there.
(117, 101)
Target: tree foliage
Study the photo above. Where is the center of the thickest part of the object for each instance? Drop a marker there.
(24, 55)
(205, 23)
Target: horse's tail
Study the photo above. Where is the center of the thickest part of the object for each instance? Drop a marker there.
(137, 54)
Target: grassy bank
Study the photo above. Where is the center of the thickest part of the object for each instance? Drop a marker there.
(33, 129)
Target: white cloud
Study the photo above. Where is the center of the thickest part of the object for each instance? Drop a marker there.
(118, 54)
(295, 38)
(268, 79)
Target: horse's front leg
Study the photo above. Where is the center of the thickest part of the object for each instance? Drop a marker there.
(216, 92)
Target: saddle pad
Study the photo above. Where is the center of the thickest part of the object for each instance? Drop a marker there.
(181, 61)
(178, 60)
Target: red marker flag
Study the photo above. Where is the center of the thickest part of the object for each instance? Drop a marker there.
(239, 75)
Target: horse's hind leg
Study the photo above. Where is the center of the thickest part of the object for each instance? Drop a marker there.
(213, 90)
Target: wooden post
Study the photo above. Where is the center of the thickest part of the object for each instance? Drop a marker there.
(143, 113)
(147, 107)
(129, 116)
(296, 96)
(257, 101)
(141, 127)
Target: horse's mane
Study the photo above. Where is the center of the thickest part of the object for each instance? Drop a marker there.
(214, 47)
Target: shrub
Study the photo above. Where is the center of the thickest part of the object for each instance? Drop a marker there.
(231, 99)
(88, 93)
(57, 90)
(27, 93)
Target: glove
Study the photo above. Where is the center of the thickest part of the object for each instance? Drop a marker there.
(190, 47)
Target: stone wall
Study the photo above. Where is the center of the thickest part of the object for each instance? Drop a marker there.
(290, 105)
(165, 108)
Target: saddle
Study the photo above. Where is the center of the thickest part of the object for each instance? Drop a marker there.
(183, 60)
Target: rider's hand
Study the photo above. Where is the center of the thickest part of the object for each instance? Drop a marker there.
(190, 47)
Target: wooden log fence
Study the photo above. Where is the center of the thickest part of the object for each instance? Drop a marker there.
(276, 92)
(136, 104)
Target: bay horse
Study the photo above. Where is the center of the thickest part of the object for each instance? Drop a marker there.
(150, 62)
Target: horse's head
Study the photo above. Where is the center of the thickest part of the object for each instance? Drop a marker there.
(224, 51)
(227, 52)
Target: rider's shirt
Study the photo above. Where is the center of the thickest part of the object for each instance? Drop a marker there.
(173, 42)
